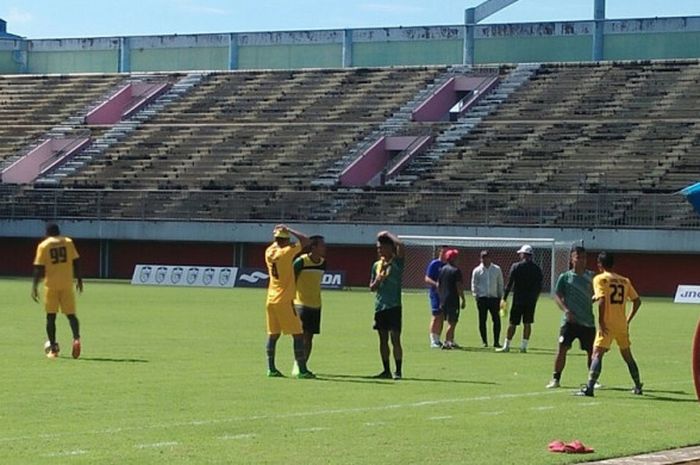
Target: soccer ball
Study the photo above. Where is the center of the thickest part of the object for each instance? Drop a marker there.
(47, 347)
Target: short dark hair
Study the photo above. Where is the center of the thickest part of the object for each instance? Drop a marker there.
(52, 230)
(606, 259)
(484, 253)
(579, 249)
(314, 240)
(385, 240)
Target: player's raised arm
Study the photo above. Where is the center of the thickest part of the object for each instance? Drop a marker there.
(398, 245)
(301, 237)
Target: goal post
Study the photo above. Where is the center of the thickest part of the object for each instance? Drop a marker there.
(552, 256)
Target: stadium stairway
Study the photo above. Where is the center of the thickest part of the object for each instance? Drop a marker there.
(446, 141)
(393, 125)
(120, 130)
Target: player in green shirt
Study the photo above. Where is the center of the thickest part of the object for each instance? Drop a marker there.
(574, 293)
(385, 280)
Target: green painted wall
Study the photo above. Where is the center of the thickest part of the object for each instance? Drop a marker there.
(420, 52)
(652, 46)
(7, 64)
(78, 61)
(533, 49)
(179, 59)
(290, 56)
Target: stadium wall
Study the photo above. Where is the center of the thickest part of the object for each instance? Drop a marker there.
(629, 39)
(657, 260)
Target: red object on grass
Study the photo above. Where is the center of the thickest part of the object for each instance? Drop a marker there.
(573, 447)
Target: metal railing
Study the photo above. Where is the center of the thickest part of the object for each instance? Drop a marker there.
(583, 210)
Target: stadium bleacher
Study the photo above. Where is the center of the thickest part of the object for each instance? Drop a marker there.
(248, 146)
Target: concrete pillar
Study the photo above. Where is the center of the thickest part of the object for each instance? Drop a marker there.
(124, 65)
(20, 56)
(233, 51)
(347, 48)
(469, 28)
(599, 30)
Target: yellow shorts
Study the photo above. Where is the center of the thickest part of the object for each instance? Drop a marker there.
(63, 299)
(621, 336)
(281, 318)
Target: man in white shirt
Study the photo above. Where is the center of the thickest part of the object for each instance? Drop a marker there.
(487, 288)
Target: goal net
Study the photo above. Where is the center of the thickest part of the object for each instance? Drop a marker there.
(550, 255)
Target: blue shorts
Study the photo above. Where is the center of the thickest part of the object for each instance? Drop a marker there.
(434, 305)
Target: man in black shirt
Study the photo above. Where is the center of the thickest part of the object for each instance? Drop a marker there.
(451, 292)
(525, 280)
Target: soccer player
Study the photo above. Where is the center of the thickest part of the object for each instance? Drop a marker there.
(487, 288)
(451, 290)
(280, 314)
(308, 271)
(612, 291)
(431, 276)
(573, 295)
(525, 280)
(57, 262)
(385, 280)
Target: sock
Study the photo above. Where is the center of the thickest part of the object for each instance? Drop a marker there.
(596, 367)
(434, 338)
(398, 366)
(74, 326)
(557, 375)
(523, 343)
(270, 349)
(634, 372)
(506, 344)
(387, 367)
(300, 354)
(51, 328)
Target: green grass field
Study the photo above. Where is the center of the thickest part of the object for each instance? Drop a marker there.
(177, 376)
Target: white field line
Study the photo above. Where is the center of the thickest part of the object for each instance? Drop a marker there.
(446, 417)
(228, 437)
(156, 445)
(316, 413)
(313, 429)
(69, 453)
(543, 407)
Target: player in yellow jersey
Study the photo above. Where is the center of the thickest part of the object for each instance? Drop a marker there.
(280, 314)
(309, 269)
(612, 291)
(57, 262)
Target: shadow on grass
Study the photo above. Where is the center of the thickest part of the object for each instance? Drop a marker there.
(660, 395)
(513, 350)
(113, 360)
(341, 378)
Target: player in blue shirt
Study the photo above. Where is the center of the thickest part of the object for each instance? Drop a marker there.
(437, 318)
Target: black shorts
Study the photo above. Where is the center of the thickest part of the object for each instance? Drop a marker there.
(522, 311)
(451, 314)
(388, 319)
(584, 334)
(310, 318)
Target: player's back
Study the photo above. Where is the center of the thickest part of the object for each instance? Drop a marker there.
(616, 290)
(56, 254)
(279, 260)
(308, 282)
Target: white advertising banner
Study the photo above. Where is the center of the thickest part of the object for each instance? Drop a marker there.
(687, 294)
(174, 275)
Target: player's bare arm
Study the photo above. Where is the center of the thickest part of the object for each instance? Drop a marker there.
(636, 303)
(38, 275)
(562, 306)
(78, 275)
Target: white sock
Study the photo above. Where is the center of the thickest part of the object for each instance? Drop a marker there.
(523, 344)
(506, 344)
(434, 338)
